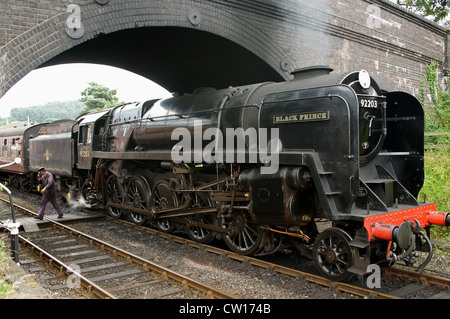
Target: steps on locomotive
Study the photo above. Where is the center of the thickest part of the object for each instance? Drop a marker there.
(384, 189)
(323, 175)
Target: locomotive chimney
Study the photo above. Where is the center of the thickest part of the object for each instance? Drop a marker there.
(310, 72)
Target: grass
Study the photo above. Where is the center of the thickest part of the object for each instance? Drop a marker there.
(436, 187)
(5, 286)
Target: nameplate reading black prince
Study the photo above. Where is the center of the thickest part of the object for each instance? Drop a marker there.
(301, 117)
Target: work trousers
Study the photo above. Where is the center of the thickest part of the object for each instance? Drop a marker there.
(49, 197)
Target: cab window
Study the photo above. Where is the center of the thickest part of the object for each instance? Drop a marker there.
(85, 135)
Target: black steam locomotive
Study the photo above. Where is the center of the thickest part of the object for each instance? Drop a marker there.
(327, 164)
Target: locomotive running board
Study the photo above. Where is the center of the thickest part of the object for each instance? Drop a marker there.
(144, 155)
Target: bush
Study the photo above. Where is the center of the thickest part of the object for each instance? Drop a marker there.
(436, 187)
(437, 161)
(5, 286)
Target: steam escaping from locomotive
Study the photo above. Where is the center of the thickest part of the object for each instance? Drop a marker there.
(80, 202)
(313, 37)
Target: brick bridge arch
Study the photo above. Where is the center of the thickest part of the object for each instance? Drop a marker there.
(184, 44)
(180, 48)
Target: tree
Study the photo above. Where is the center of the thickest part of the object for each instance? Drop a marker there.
(50, 110)
(97, 97)
(438, 10)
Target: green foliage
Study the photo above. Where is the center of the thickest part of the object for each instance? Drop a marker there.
(97, 97)
(436, 186)
(48, 112)
(3, 121)
(437, 161)
(437, 119)
(436, 9)
(3, 252)
(5, 286)
(5, 289)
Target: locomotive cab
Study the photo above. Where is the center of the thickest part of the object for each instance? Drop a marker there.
(91, 128)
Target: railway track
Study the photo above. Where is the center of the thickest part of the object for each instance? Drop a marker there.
(353, 289)
(357, 288)
(117, 273)
(418, 283)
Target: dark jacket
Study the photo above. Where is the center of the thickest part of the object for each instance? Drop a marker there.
(48, 183)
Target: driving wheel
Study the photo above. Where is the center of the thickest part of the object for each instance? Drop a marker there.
(243, 236)
(115, 194)
(162, 197)
(138, 197)
(197, 233)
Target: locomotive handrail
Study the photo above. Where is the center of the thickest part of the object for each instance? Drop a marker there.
(188, 115)
(396, 153)
(400, 118)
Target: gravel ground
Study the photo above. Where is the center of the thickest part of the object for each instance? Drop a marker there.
(23, 284)
(243, 281)
(240, 280)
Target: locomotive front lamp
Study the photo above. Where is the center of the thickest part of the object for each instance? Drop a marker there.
(364, 79)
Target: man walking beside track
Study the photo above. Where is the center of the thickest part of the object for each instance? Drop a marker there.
(48, 190)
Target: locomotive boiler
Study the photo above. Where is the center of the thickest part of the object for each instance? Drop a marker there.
(328, 165)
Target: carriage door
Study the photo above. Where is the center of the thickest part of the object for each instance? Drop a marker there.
(85, 146)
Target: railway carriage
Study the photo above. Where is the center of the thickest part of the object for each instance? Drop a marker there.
(328, 165)
(15, 143)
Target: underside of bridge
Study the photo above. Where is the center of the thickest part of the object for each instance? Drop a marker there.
(178, 59)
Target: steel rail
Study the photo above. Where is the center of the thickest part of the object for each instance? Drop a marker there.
(337, 286)
(428, 279)
(146, 264)
(91, 287)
